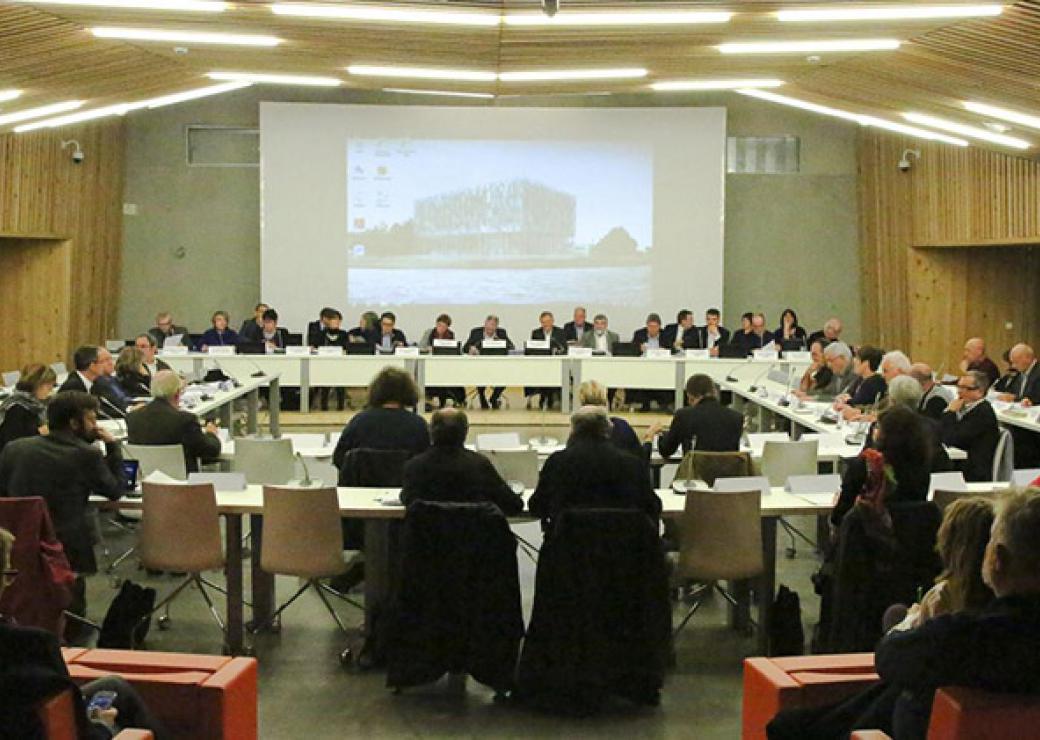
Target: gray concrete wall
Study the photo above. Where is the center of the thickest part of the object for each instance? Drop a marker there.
(194, 244)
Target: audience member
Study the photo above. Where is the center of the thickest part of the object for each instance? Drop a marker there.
(24, 412)
(272, 336)
(975, 358)
(131, 374)
(33, 670)
(252, 329)
(704, 425)
(575, 330)
(789, 329)
(838, 357)
(869, 387)
(744, 337)
(86, 367)
(713, 333)
(66, 469)
(449, 472)
(934, 397)
(818, 375)
(162, 422)
(682, 334)
(386, 423)
(894, 363)
(970, 423)
(600, 339)
(114, 400)
(165, 328)
(905, 391)
(831, 331)
(490, 331)
(146, 344)
(389, 337)
(220, 335)
(592, 472)
(591, 393)
(1024, 389)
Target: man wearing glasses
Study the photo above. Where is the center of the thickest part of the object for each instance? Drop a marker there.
(165, 328)
(970, 423)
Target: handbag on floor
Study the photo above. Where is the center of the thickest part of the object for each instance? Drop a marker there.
(127, 619)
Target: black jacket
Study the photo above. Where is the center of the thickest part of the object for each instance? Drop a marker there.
(73, 383)
(716, 427)
(702, 336)
(570, 333)
(383, 429)
(476, 336)
(601, 619)
(593, 473)
(932, 406)
(691, 338)
(751, 342)
(159, 423)
(280, 340)
(977, 434)
(457, 475)
(251, 331)
(641, 337)
(396, 338)
(19, 421)
(869, 390)
(135, 385)
(65, 471)
(557, 340)
(458, 607)
(1030, 388)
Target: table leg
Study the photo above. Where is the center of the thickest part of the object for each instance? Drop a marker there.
(252, 410)
(227, 415)
(274, 408)
(233, 577)
(680, 384)
(768, 583)
(565, 387)
(379, 578)
(305, 385)
(420, 381)
(262, 581)
(575, 383)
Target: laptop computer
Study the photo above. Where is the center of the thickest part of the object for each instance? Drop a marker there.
(293, 340)
(732, 351)
(360, 348)
(625, 349)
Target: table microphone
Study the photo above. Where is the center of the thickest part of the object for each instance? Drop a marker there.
(259, 370)
(732, 377)
(306, 473)
(758, 378)
(122, 414)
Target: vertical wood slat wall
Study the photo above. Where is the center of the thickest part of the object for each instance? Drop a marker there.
(934, 269)
(45, 196)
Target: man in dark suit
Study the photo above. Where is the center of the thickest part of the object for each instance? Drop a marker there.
(831, 332)
(271, 335)
(146, 343)
(971, 424)
(165, 328)
(389, 337)
(251, 328)
(448, 472)
(161, 422)
(592, 472)
(477, 336)
(557, 345)
(65, 469)
(315, 328)
(86, 368)
(1024, 389)
(757, 338)
(682, 334)
(93, 375)
(704, 425)
(713, 333)
(647, 338)
(974, 358)
(574, 331)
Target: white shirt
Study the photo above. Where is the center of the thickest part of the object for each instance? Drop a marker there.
(601, 342)
(713, 337)
(88, 384)
(579, 330)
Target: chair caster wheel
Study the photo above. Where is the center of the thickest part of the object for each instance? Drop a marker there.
(163, 622)
(346, 658)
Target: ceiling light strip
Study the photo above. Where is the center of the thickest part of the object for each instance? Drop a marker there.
(184, 37)
(444, 93)
(273, 79)
(808, 47)
(385, 14)
(190, 6)
(6, 95)
(691, 85)
(422, 73)
(894, 13)
(40, 112)
(1022, 119)
(964, 130)
(562, 75)
(621, 18)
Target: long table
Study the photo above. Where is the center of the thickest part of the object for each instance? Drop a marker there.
(559, 371)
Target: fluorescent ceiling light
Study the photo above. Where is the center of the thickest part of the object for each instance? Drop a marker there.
(861, 119)
(572, 74)
(6, 95)
(808, 47)
(385, 14)
(89, 115)
(184, 37)
(620, 18)
(902, 13)
(252, 77)
(1022, 119)
(969, 131)
(199, 6)
(445, 93)
(201, 92)
(680, 85)
(422, 73)
(43, 110)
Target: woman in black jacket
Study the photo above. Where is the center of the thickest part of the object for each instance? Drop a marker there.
(24, 412)
(131, 374)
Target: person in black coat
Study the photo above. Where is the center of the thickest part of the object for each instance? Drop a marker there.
(869, 386)
(557, 345)
(477, 335)
(273, 337)
(24, 412)
(66, 469)
(388, 423)
(161, 422)
(971, 424)
(574, 330)
(1024, 388)
(315, 328)
(754, 334)
(650, 336)
(252, 329)
(448, 472)
(682, 334)
(131, 374)
(86, 368)
(789, 329)
(367, 329)
(714, 427)
(713, 333)
(329, 333)
(592, 472)
(388, 336)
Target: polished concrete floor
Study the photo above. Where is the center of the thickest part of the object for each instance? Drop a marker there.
(305, 693)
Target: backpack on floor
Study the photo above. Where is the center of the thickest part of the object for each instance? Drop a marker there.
(786, 635)
(127, 620)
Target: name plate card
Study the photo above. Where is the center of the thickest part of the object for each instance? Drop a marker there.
(579, 351)
(493, 344)
(698, 354)
(330, 351)
(406, 351)
(172, 351)
(306, 351)
(798, 356)
(764, 354)
(221, 350)
(534, 344)
(658, 354)
(446, 343)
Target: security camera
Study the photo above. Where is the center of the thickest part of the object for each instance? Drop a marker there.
(550, 7)
(905, 163)
(77, 152)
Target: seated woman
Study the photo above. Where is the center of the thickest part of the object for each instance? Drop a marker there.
(220, 335)
(131, 374)
(24, 412)
(789, 330)
(591, 393)
(441, 330)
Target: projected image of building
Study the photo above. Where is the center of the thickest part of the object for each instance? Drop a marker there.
(515, 218)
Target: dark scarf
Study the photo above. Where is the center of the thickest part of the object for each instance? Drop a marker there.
(26, 401)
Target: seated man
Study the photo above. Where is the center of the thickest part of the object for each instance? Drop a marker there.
(165, 328)
(330, 333)
(220, 335)
(449, 472)
(600, 339)
(970, 423)
(557, 345)
(592, 472)
(817, 375)
(490, 331)
(712, 334)
(251, 328)
(1024, 389)
(94, 374)
(934, 397)
(831, 331)
(838, 357)
(894, 364)
(649, 337)
(162, 422)
(974, 358)
(682, 334)
(314, 328)
(146, 343)
(66, 469)
(705, 425)
(32, 670)
(574, 331)
(272, 336)
(86, 368)
(390, 337)
(755, 337)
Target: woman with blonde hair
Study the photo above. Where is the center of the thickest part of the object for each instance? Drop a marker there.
(592, 393)
(131, 373)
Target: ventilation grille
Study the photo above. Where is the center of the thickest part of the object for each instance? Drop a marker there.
(762, 155)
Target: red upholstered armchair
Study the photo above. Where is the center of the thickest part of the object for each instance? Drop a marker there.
(59, 721)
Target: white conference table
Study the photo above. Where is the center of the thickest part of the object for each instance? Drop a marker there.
(307, 371)
(1014, 414)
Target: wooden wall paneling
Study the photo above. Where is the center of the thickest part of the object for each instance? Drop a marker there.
(34, 279)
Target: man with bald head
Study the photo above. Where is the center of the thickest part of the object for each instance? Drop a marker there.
(1024, 388)
(934, 398)
(162, 422)
(975, 358)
